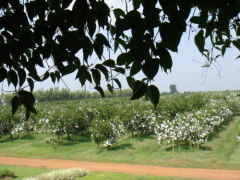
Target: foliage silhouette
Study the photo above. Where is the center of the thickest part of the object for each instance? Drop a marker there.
(61, 36)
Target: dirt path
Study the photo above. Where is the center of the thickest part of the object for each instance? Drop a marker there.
(124, 168)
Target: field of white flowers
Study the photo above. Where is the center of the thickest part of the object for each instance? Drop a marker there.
(187, 119)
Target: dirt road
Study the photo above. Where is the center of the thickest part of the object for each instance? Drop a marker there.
(124, 168)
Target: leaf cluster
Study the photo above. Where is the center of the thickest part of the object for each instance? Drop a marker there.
(62, 36)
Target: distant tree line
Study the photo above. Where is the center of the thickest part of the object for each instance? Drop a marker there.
(57, 94)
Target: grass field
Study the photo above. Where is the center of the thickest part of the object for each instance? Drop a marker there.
(221, 152)
(24, 172)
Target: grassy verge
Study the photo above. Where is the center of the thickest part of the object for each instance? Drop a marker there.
(120, 176)
(23, 172)
(221, 152)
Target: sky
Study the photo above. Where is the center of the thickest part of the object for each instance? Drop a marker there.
(187, 71)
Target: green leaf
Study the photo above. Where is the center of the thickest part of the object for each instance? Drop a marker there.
(3, 74)
(16, 103)
(31, 84)
(13, 77)
(136, 67)
(100, 90)
(150, 68)
(118, 83)
(154, 95)
(124, 58)
(110, 88)
(165, 60)
(96, 76)
(109, 63)
(130, 81)
(200, 41)
(22, 76)
(139, 89)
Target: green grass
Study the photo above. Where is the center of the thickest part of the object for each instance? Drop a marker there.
(223, 151)
(23, 172)
(121, 176)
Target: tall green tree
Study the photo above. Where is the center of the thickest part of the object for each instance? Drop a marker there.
(61, 36)
(173, 89)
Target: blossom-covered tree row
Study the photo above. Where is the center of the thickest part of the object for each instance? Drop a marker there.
(187, 119)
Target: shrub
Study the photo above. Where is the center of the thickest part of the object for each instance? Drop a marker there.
(6, 173)
(107, 132)
(63, 174)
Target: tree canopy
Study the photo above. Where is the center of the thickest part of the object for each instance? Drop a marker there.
(61, 36)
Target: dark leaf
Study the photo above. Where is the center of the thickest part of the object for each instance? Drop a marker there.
(28, 100)
(165, 58)
(98, 48)
(16, 103)
(195, 19)
(96, 76)
(45, 76)
(100, 90)
(31, 84)
(110, 88)
(139, 89)
(118, 83)
(236, 43)
(119, 70)
(22, 76)
(27, 114)
(101, 39)
(150, 68)
(66, 3)
(70, 68)
(109, 63)
(53, 77)
(130, 81)
(124, 58)
(87, 48)
(238, 31)
(13, 77)
(171, 34)
(153, 94)
(136, 3)
(118, 12)
(200, 41)
(103, 69)
(3, 74)
(136, 67)
(91, 27)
